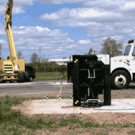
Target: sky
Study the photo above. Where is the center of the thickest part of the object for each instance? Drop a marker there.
(62, 28)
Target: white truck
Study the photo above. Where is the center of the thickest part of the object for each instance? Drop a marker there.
(122, 67)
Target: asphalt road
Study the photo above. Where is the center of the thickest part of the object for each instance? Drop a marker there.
(37, 89)
(40, 89)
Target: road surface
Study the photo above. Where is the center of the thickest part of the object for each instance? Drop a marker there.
(40, 89)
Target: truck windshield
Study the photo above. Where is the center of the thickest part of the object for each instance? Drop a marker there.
(127, 50)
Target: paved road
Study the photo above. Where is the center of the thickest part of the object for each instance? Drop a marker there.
(40, 89)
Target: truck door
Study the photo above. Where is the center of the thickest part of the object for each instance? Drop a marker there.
(132, 61)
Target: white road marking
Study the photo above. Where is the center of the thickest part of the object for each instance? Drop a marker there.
(59, 83)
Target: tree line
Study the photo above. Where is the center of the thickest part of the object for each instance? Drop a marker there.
(109, 46)
(42, 65)
(48, 67)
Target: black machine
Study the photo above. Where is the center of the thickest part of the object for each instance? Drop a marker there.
(90, 78)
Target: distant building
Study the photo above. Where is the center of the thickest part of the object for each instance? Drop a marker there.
(60, 61)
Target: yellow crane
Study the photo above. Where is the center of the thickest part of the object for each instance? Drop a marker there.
(12, 69)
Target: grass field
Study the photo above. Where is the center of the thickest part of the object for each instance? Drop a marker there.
(14, 123)
(50, 76)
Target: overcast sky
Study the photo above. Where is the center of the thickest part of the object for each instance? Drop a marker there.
(61, 28)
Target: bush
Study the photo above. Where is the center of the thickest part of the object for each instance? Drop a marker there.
(48, 67)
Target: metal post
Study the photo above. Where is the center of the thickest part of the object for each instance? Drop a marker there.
(76, 82)
(107, 87)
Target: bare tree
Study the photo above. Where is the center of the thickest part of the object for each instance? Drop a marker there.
(34, 58)
(19, 54)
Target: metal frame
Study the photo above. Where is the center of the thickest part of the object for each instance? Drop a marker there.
(90, 78)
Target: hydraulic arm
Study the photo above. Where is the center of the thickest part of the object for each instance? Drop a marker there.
(8, 25)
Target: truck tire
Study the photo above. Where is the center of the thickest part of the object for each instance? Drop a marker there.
(27, 77)
(120, 79)
(31, 79)
(21, 77)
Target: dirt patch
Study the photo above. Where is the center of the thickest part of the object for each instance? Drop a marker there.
(109, 118)
(23, 108)
(101, 118)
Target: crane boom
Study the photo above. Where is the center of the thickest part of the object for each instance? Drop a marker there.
(13, 69)
(8, 25)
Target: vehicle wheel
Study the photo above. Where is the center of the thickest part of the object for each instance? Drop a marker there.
(120, 79)
(27, 78)
(11, 81)
(3, 81)
(21, 77)
(31, 79)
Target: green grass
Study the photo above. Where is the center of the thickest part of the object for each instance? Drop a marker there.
(75, 122)
(131, 132)
(44, 76)
(14, 123)
(102, 134)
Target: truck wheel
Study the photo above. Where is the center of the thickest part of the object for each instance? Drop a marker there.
(120, 79)
(21, 77)
(31, 79)
(27, 78)
(3, 81)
